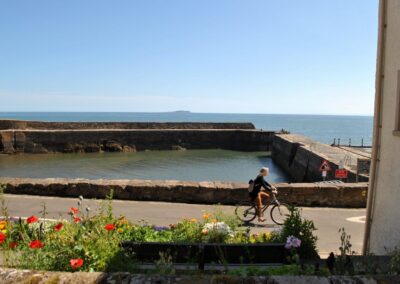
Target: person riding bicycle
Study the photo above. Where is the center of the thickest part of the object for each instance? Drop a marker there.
(259, 195)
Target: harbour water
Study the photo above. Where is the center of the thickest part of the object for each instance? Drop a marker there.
(195, 165)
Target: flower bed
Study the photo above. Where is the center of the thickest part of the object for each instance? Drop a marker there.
(96, 242)
(92, 242)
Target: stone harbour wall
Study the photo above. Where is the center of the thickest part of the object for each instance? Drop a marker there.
(44, 125)
(130, 140)
(352, 195)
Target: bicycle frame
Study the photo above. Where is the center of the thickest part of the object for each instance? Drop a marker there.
(273, 201)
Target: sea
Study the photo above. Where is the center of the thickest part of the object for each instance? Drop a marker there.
(196, 165)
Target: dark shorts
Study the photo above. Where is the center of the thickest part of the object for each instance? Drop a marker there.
(253, 196)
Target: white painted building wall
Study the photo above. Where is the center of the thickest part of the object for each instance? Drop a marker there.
(385, 206)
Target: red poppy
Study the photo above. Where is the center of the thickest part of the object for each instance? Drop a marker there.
(3, 237)
(77, 220)
(36, 244)
(13, 245)
(73, 211)
(32, 219)
(109, 227)
(76, 263)
(58, 227)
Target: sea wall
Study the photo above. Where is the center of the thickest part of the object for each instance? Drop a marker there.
(351, 195)
(44, 125)
(128, 140)
(301, 158)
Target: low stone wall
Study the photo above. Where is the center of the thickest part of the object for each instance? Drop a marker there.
(14, 276)
(44, 125)
(122, 140)
(301, 194)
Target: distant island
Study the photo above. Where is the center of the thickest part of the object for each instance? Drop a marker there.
(181, 111)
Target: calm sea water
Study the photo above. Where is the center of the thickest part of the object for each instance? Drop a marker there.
(197, 165)
(323, 128)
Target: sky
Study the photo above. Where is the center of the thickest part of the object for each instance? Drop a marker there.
(226, 56)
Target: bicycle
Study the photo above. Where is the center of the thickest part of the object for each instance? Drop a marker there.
(246, 211)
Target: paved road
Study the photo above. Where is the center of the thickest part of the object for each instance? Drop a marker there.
(327, 220)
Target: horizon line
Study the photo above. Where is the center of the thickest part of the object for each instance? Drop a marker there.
(187, 112)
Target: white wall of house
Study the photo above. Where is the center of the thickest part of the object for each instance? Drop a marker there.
(385, 214)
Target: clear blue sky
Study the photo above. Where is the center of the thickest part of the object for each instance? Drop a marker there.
(310, 56)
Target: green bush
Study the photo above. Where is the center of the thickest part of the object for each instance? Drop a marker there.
(394, 264)
(302, 229)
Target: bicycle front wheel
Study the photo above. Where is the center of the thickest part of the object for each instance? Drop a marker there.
(246, 211)
(279, 213)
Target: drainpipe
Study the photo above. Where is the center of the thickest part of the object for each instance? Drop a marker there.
(380, 64)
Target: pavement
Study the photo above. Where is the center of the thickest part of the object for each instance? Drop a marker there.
(327, 220)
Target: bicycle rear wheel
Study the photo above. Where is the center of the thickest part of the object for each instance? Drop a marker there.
(279, 213)
(246, 211)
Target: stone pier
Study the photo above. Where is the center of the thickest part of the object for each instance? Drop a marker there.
(73, 137)
(301, 158)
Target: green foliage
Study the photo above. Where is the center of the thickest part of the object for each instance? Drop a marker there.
(302, 229)
(344, 264)
(165, 265)
(292, 269)
(394, 264)
(231, 220)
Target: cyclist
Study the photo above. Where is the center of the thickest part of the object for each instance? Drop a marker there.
(258, 194)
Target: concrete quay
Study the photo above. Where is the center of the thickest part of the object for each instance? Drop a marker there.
(301, 157)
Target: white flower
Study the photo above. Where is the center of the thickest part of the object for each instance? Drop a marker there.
(218, 227)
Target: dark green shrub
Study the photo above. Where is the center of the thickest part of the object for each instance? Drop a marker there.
(302, 229)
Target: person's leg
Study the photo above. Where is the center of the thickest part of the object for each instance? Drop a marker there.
(260, 198)
(259, 207)
(264, 196)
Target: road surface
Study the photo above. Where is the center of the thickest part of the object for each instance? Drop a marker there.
(327, 220)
